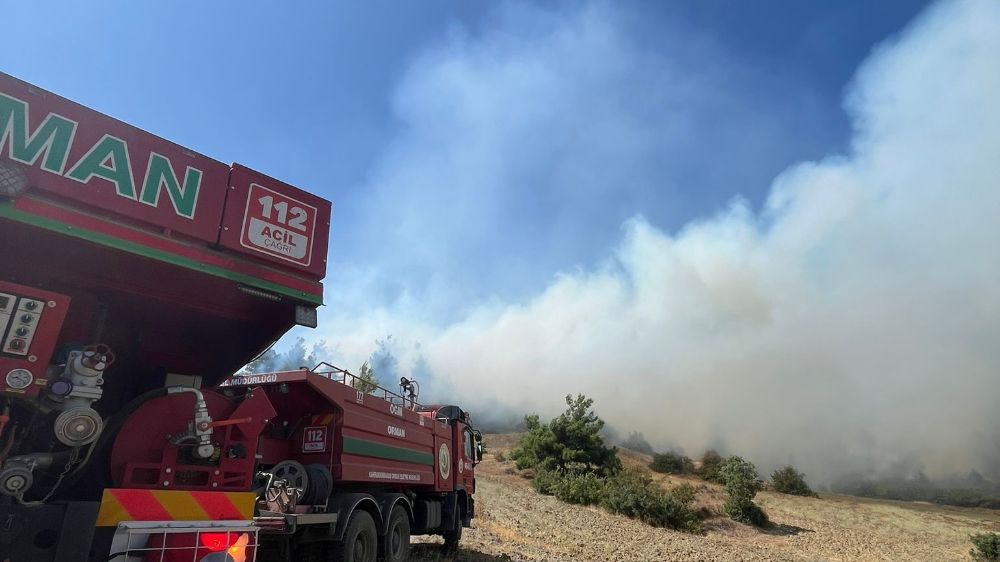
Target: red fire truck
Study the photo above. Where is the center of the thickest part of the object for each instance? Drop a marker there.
(136, 277)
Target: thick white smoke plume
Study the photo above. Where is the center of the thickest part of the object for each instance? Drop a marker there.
(851, 324)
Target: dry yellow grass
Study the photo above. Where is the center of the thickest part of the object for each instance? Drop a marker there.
(516, 524)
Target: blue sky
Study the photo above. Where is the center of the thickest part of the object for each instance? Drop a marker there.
(314, 95)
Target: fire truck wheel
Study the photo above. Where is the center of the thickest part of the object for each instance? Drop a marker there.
(360, 542)
(397, 539)
(451, 538)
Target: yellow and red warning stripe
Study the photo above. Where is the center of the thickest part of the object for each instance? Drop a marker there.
(321, 419)
(174, 505)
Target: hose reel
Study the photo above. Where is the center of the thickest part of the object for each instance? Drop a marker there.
(292, 483)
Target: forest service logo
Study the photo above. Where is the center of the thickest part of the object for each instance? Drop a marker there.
(444, 461)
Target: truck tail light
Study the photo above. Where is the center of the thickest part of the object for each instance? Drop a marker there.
(234, 546)
(225, 547)
(215, 541)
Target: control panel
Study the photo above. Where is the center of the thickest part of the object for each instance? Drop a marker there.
(30, 322)
(20, 316)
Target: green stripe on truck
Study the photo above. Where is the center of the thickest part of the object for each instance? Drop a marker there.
(355, 446)
(9, 212)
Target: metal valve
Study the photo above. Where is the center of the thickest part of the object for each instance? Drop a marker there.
(79, 424)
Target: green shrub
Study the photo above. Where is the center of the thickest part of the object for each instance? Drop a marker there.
(545, 481)
(634, 494)
(740, 479)
(569, 443)
(584, 489)
(790, 481)
(672, 463)
(711, 461)
(684, 493)
(985, 547)
(630, 493)
(676, 510)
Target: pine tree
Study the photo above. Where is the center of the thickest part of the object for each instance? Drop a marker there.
(366, 380)
(569, 443)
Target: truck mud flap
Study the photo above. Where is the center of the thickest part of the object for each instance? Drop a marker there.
(58, 532)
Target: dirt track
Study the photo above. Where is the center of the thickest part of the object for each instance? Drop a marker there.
(516, 524)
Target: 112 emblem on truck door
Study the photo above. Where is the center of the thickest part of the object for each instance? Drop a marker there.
(278, 225)
(444, 461)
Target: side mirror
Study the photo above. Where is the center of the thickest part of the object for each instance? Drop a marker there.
(480, 448)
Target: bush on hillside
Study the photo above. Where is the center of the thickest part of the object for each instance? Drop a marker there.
(711, 461)
(671, 463)
(545, 481)
(787, 480)
(985, 547)
(570, 442)
(636, 441)
(634, 494)
(583, 489)
(684, 493)
(740, 479)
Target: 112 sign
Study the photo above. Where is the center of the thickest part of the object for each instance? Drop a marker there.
(278, 225)
(314, 439)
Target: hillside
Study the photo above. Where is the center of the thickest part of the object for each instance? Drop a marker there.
(515, 523)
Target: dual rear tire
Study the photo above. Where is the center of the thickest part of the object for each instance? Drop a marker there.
(361, 540)
(397, 537)
(360, 544)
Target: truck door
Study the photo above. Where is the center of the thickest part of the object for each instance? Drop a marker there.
(467, 460)
(444, 458)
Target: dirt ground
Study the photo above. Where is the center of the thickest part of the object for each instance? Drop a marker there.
(514, 523)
